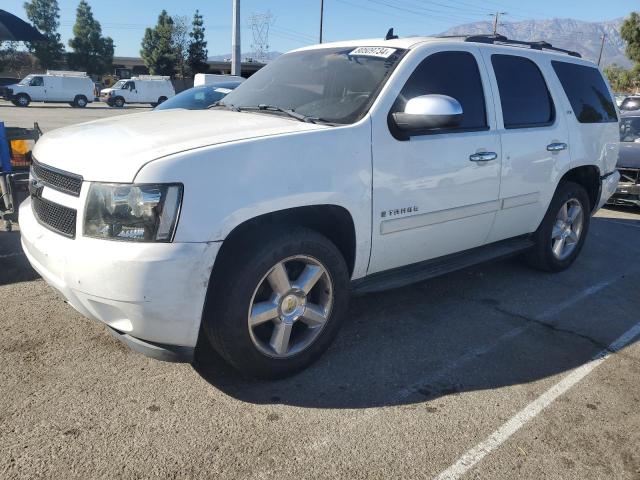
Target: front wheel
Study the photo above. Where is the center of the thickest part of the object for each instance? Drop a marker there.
(563, 230)
(80, 101)
(22, 100)
(276, 304)
(118, 102)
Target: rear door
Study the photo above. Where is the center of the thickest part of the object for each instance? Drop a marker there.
(534, 137)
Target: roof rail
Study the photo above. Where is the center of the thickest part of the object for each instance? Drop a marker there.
(502, 40)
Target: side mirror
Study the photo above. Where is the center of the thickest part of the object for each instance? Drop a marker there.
(429, 112)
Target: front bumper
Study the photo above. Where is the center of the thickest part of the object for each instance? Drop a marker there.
(626, 194)
(151, 294)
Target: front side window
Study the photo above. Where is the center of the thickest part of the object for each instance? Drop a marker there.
(454, 74)
(119, 84)
(37, 82)
(335, 85)
(130, 85)
(587, 92)
(524, 95)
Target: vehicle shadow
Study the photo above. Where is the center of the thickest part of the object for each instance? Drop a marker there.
(416, 345)
(14, 266)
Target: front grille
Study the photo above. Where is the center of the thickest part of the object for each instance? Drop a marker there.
(56, 217)
(63, 181)
(629, 175)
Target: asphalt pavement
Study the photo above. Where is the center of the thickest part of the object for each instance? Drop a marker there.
(497, 371)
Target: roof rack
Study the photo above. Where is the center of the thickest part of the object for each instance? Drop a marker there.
(151, 77)
(66, 73)
(502, 40)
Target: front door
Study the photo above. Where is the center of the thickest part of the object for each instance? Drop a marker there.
(37, 89)
(431, 195)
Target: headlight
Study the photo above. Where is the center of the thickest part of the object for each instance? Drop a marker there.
(137, 213)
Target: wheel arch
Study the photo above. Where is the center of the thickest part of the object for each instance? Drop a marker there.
(333, 221)
(589, 177)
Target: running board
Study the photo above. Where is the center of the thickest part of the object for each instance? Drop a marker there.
(418, 272)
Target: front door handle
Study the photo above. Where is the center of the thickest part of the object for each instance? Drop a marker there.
(483, 156)
(556, 147)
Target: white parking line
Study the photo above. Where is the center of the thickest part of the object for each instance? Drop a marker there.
(619, 223)
(469, 356)
(497, 438)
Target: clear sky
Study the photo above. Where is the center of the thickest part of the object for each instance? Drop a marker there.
(295, 22)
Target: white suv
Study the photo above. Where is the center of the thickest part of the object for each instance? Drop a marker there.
(353, 166)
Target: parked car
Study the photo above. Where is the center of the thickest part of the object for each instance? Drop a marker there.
(152, 89)
(252, 222)
(199, 98)
(630, 103)
(628, 191)
(74, 88)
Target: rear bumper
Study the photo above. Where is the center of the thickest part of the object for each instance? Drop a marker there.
(608, 186)
(151, 294)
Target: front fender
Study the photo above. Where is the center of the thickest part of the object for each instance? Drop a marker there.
(227, 184)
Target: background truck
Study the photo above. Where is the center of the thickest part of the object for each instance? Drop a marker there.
(74, 88)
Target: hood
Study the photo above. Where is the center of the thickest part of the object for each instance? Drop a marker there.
(106, 90)
(629, 156)
(114, 149)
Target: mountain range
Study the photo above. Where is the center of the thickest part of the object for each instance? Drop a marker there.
(582, 37)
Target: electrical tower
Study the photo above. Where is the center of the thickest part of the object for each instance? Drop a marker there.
(260, 24)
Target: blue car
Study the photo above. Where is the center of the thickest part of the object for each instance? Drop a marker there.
(199, 98)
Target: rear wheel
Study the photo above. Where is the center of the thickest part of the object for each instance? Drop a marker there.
(563, 230)
(161, 100)
(276, 305)
(80, 101)
(22, 100)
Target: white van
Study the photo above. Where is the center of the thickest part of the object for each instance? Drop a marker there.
(153, 89)
(75, 88)
(202, 79)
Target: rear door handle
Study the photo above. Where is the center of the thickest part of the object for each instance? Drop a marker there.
(483, 156)
(556, 147)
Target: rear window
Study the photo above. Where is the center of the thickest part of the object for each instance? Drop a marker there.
(587, 92)
(631, 103)
(524, 95)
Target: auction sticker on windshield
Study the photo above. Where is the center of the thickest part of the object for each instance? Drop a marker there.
(381, 52)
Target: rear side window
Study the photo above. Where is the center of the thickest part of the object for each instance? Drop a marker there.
(454, 74)
(587, 92)
(524, 95)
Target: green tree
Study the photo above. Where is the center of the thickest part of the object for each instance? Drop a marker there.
(197, 51)
(630, 33)
(158, 52)
(13, 60)
(620, 79)
(45, 16)
(180, 42)
(92, 52)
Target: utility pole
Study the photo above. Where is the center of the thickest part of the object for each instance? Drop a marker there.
(236, 53)
(496, 20)
(321, 17)
(604, 36)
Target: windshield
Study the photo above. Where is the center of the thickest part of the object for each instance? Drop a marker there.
(335, 85)
(26, 80)
(630, 129)
(198, 98)
(119, 84)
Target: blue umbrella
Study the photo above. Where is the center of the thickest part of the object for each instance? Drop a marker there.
(15, 29)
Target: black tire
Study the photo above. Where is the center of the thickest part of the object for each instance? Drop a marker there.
(72, 104)
(80, 101)
(541, 256)
(118, 102)
(22, 100)
(238, 274)
(161, 100)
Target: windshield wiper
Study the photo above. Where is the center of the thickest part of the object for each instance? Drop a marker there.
(289, 112)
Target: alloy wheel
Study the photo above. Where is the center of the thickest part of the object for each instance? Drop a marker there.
(567, 229)
(290, 306)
